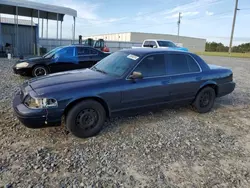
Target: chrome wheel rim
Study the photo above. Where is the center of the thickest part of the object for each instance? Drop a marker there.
(40, 71)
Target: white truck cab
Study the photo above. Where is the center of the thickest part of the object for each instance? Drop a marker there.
(153, 43)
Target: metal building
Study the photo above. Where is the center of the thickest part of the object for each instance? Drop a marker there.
(27, 36)
(193, 44)
(35, 10)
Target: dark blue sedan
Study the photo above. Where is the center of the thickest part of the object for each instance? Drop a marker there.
(124, 80)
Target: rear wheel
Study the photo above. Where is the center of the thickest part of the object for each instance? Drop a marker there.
(39, 71)
(86, 119)
(204, 100)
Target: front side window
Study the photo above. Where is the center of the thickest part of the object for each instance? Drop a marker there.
(65, 52)
(52, 52)
(152, 66)
(181, 64)
(116, 64)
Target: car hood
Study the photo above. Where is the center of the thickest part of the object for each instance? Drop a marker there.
(69, 78)
(33, 60)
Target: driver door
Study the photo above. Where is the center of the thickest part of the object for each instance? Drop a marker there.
(152, 89)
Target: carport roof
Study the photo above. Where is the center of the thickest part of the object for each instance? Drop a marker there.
(30, 9)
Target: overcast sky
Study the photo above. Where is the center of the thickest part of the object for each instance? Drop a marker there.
(210, 19)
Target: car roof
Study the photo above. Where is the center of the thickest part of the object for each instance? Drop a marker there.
(145, 51)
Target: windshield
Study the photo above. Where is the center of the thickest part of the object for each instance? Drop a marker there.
(116, 64)
(52, 52)
(166, 44)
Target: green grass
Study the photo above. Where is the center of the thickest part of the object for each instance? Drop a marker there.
(225, 54)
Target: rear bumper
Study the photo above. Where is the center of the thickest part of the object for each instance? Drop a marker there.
(225, 89)
(33, 118)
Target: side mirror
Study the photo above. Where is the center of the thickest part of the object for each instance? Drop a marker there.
(154, 46)
(136, 75)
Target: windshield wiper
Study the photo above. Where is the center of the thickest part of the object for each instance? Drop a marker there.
(98, 70)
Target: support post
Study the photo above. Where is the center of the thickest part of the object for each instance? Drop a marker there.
(47, 28)
(74, 29)
(42, 27)
(31, 35)
(16, 37)
(232, 32)
(61, 34)
(38, 50)
(179, 23)
(57, 26)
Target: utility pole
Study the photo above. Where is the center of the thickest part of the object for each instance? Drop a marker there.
(179, 23)
(232, 32)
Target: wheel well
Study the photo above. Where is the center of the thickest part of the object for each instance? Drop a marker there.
(101, 101)
(215, 87)
(42, 65)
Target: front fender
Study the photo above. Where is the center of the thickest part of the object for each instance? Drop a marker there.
(73, 101)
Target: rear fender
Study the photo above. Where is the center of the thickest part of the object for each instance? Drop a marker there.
(209, 82)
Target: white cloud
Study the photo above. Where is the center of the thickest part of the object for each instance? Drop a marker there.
(209, 13)
(191, 6)
(184, 14)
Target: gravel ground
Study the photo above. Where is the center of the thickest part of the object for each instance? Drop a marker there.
(163, 148)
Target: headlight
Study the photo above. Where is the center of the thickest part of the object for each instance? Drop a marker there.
(22, 65)
(40, 103)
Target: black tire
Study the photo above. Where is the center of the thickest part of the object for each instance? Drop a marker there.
(86, 119)
(39, 70)
(204, 100)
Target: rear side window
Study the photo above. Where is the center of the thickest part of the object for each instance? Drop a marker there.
(193, 66)
(181, 64)
(82, 51)
(152, 66)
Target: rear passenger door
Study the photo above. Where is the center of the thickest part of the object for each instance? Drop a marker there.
(84, 57)
(185, 76)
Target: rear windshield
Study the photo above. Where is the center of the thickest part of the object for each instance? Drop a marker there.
(166, 44)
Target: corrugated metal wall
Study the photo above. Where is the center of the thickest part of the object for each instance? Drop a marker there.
(26, 38)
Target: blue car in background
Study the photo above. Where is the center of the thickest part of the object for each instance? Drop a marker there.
(62, 58)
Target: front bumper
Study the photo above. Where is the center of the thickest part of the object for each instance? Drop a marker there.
(33, 118)
(22, 71)
(225, 89)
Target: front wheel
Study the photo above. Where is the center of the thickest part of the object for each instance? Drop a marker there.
(86, 119)
(204, 100)
(39, 71)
